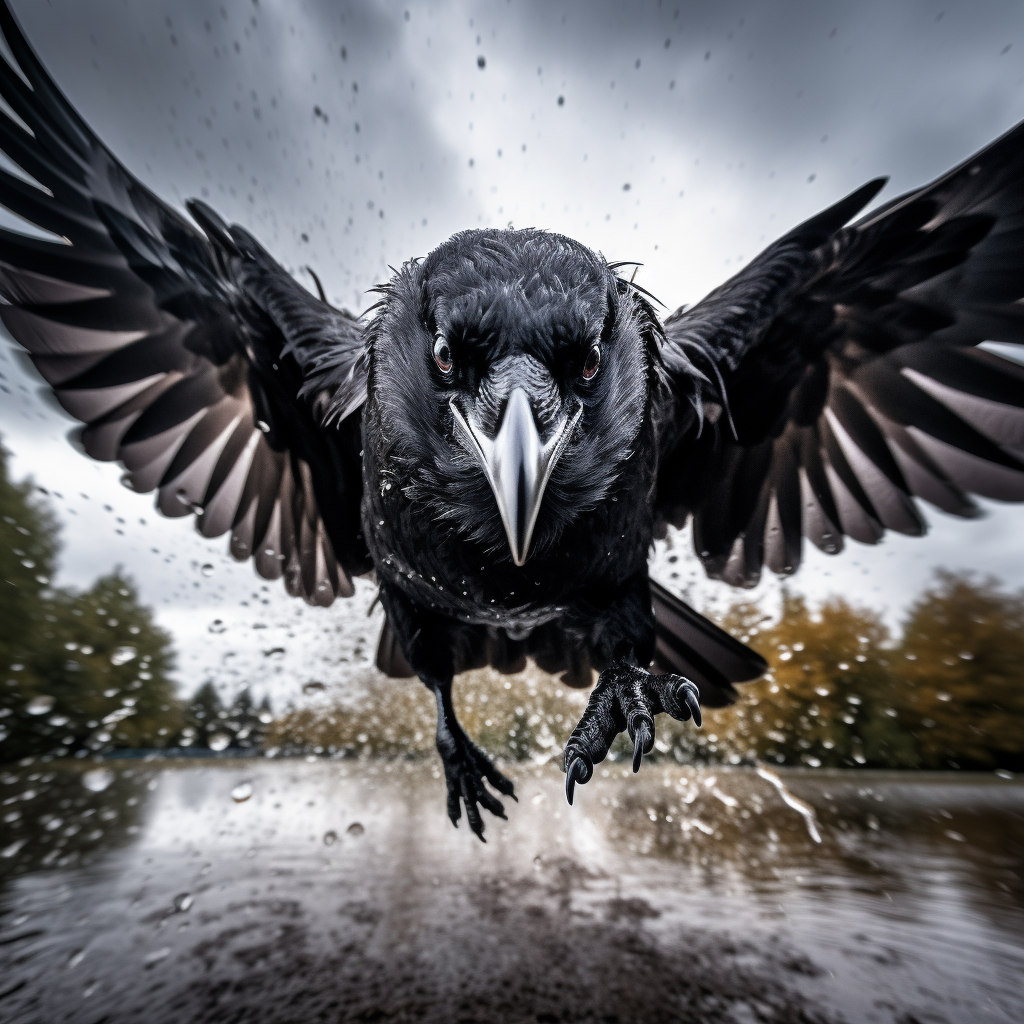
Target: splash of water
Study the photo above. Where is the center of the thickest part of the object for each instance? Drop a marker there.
(802, 807)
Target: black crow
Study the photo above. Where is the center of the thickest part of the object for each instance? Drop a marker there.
(504, 439)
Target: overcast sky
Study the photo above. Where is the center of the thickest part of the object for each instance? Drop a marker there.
(353, 137)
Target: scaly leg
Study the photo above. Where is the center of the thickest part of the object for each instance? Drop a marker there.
(466, 767)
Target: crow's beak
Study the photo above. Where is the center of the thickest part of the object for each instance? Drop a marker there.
(517, 465)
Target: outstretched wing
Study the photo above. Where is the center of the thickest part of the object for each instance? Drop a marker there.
(844, 375)
(189, 355)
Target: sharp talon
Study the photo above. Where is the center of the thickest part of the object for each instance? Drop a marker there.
(641, 738)
(575, 766)
(694, 705)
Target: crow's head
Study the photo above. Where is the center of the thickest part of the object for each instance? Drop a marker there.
(511, 373)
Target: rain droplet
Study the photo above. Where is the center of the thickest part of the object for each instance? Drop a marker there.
(97, 779)
(217, 626)
(12, 850)
(40, 705)
(263, 425)
(313, 686)
(219, 741)
(241, 792)
(355, 829)
(207, 569)
(182, 902)
(330, 837)
(966, 656)
(156, 956)
(122, 655)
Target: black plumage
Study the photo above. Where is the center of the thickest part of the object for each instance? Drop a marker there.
(503, 440)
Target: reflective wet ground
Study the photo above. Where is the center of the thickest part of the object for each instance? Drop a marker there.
(336, 891)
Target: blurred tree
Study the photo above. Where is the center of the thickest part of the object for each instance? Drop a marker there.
(81, 671)
(241, 725)
(28, 551)
(961, 669)
(96, 677)
(244, 721)
(205, 716)
(828, 699)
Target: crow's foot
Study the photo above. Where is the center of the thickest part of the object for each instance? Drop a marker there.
(466, 767)
(626, 698)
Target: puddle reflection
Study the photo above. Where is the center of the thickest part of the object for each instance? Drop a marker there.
(268, 888)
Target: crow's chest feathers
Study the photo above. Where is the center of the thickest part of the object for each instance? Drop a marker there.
(457, 578)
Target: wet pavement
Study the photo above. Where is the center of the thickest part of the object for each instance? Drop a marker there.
(272, 891)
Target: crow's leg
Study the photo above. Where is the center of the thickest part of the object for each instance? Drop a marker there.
(427, 641)
(466, 767)
(626, 698)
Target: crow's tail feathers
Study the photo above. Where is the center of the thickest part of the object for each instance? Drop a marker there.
(690, 645)
(687, 643)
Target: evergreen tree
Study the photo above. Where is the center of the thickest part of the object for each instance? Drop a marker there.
(205, 716)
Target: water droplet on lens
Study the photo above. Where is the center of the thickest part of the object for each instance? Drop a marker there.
(313, 686)
(241, 792)
(217, 626)
(219, 741)
(122, 655)
(207, 569)
(98, 779)
(355, 829)
(330, 837)
(182, 902)
(40, 705)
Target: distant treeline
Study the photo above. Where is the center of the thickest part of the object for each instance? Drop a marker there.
(86, 672)
(947, 692)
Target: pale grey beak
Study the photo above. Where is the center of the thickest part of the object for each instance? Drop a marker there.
(517, 465)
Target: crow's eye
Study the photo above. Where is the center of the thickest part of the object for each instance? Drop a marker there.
(592, 363)
(443, 355)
